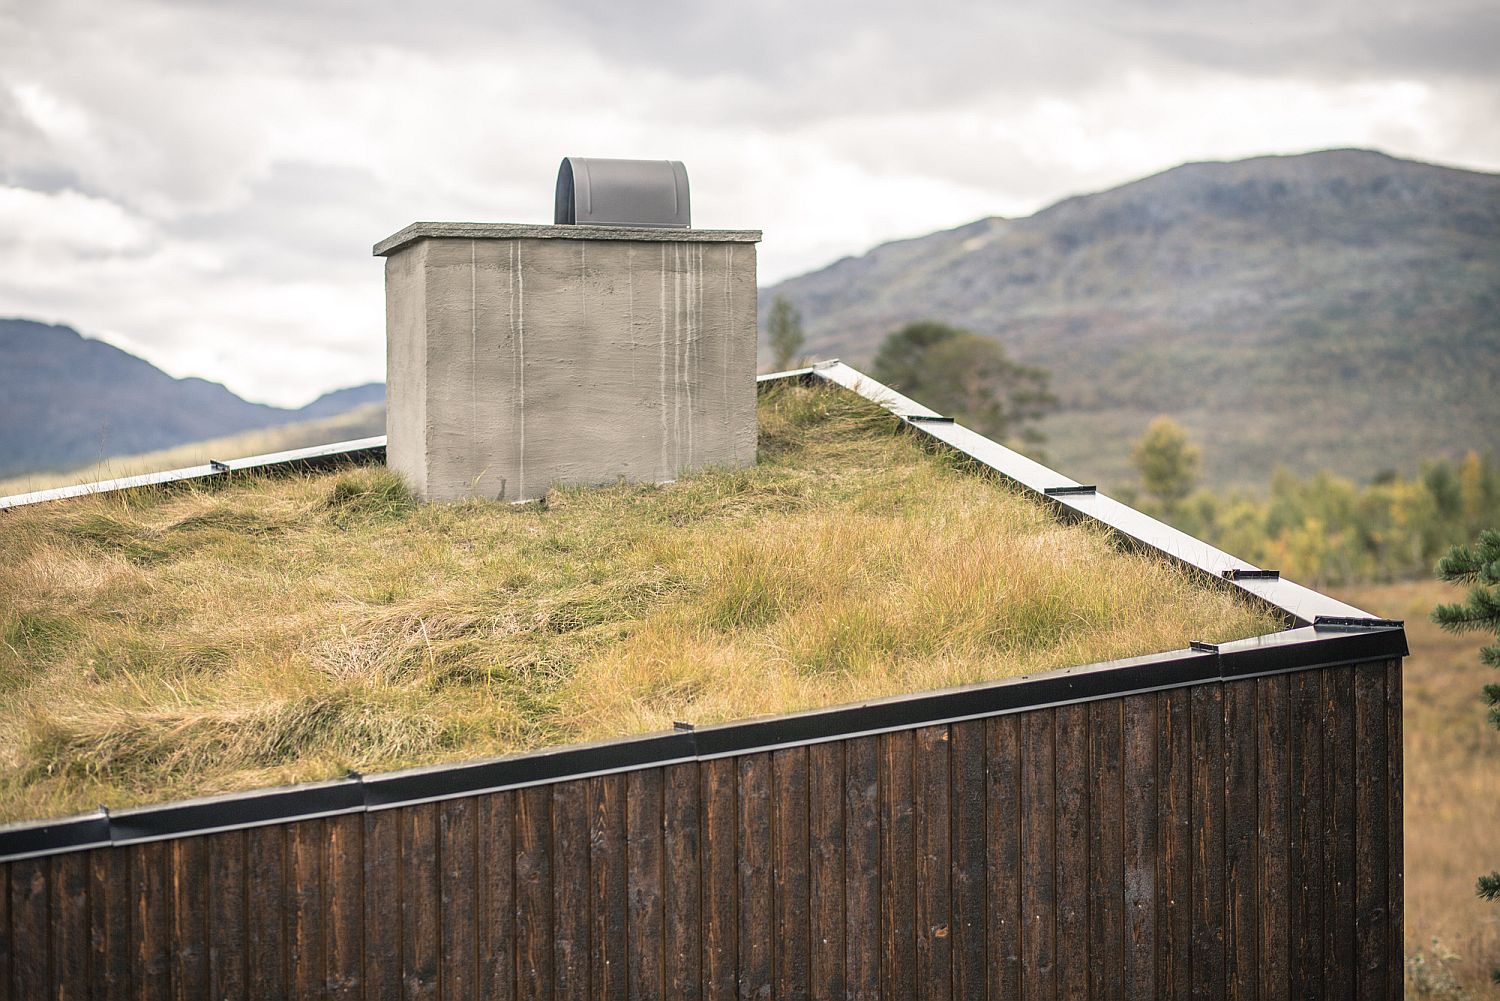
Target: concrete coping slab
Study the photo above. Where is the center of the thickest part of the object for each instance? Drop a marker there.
(532, 231)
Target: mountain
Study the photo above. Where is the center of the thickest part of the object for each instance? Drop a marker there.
(1335, 310)
(67, 400)
(341, 401)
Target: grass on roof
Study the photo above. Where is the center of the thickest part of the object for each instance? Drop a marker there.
(169, 643)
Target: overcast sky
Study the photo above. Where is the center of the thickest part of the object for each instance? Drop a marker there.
(200, 182)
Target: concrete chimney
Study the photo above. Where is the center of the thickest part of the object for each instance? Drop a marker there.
(522, 357)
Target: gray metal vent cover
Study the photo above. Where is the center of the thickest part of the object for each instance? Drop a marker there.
(598, 192)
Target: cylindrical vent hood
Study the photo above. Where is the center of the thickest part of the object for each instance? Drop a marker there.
(598, 192)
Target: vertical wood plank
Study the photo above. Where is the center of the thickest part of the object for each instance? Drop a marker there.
(5, 934)
(496, 901)
(187, 862)
(682, 923)
(459, 891)
(789, 871)
(1339, 954)
(862, 868)
(343, 931)
(1072, 792)
(607, 889)
(1273, 737)
(1174, 914)
(69, 911)
(305, 907)
(1038, 855)
(29, 927)
(1241, 880)
(1372, 830)
(152, 900)
(109, 900)
(717, 779)
(265, 881)
(753, 839)
(382, 905)
(1139, 852)
(933, 834)
(969, 803)
(421, 929)
(570, 890)
(228, 945)
(1106, 850)
(1003, 861)
(643, 854)
(533, 893)
(897, 868)
(1208, 840)
(1305, 833)
(1395, 888)
(825, 795)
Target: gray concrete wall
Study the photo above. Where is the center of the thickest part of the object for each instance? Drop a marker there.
(518, 363)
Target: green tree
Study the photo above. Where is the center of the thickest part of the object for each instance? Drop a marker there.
(966, 376)
(784, 331)
(1167, 463)
(1478, 566)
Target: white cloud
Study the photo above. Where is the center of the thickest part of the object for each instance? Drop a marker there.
(201, 182)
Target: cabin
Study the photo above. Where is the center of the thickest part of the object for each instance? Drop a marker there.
(618, 671)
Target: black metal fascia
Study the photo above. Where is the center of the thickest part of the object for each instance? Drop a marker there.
(423, 785)
(1276, 653)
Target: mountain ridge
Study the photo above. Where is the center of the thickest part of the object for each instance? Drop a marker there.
(68, 400)
(1338, 309)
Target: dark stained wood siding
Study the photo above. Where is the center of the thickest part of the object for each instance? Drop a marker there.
(1234, 840)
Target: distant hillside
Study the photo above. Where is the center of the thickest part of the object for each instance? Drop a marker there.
(67, 401)
(363, 421)
(1333, 310)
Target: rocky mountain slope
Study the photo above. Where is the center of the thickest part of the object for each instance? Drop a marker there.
(1333, 310)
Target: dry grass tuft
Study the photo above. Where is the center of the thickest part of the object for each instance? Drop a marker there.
(168, 643)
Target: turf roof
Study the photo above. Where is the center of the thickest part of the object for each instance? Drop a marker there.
(162, 644)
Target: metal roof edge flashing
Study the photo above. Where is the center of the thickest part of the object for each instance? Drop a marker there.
(312, 457)
(1301, 606)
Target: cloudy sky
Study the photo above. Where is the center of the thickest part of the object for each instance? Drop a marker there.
(200, 182)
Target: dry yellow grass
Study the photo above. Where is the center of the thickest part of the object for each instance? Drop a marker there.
(254, 631)
(361, 422)
(1452, 787)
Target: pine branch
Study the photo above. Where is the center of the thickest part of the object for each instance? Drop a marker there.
(1488, 887)
(1481, 611)
(1471, 564)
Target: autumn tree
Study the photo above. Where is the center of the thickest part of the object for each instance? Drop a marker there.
(1167, 463)
(784, 332)
(968, 377)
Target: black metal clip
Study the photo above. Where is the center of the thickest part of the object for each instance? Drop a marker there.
(1077, 488)
(1353, 622)
(1245, 573)
(217, 466)
(1203, 647)
(678, 724)
(928, 418)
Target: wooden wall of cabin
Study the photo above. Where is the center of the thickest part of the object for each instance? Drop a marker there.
(1237, 839)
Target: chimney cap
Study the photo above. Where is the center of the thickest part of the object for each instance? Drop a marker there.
(593, 191)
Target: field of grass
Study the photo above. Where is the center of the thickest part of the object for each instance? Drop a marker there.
(361, 422)
(1452, 787)
(256, 631)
